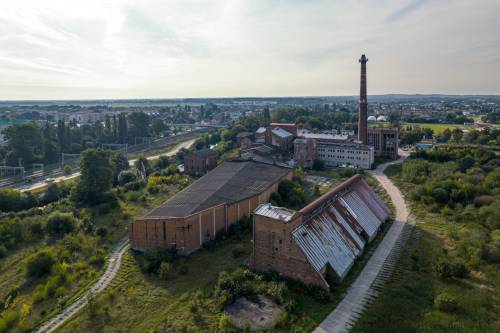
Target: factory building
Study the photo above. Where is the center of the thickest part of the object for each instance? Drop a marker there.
(201, 211)
(333, 150)
(384, 140)
(319, 243)
(199, 162)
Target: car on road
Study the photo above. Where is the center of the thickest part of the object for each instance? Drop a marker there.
(49, 180)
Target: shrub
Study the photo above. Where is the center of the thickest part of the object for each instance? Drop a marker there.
(165, 270)
(484, 200)
(40, 264)
(183, 269)
(225, 324)
(102, 232)
(59, 224)
(446, 268)
(238, 250)
(67, 170)
(154, 258)
(126, 176)
(446, 302)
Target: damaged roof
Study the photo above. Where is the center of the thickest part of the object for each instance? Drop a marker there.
(231, 181)
(334, 225)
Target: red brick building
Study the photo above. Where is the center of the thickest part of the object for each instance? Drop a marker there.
(207, 207)
(319, 243)
(200, 162)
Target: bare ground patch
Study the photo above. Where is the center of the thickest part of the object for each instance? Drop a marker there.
(257, 310)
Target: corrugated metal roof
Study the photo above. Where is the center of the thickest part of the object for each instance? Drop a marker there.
(354, 235)
(332, 235)
(274, 212)
(322, 243)
(363, 215)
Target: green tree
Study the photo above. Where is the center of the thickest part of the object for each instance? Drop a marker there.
(119, 163)
(24, 142)
(96, 176)
(158, 126)
(138, 124)
(122, 128)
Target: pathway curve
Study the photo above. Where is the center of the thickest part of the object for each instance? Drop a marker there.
(378, 267)
(112, 269)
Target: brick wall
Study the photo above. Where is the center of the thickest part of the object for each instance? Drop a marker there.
(188, 233)
(274, 249)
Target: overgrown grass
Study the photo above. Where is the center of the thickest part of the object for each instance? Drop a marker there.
(83, 253)
(416, 298)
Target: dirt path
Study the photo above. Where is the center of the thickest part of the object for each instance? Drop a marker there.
(378, 267)
(112, 269)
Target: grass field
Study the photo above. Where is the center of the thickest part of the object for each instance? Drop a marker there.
(410, 301)
(437, 128)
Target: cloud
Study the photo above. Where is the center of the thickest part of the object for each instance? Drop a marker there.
(188, 48)
(405, 10)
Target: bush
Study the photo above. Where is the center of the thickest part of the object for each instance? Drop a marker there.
(446, 302)
(183, 269)
(3, 251)
(446, 269)
(40, 264)
(154, 258)
(101, 232)
(126, 176)
(67, 170)
(165, 270)
(238, 250)
(59, 224)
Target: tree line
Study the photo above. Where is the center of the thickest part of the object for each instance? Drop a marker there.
(36, 143)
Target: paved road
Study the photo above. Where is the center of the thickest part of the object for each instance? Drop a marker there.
(185, 144)
(343, 317)
(112, 269)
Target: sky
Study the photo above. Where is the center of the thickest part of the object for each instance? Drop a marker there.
(66, 49)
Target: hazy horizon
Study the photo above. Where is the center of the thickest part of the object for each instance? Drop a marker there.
(87, 50)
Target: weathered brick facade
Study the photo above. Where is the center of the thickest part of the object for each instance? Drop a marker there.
(320, 243)
(200, 162)
(275, 250)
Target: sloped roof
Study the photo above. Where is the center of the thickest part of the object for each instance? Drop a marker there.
(231, 181)
(332, 228)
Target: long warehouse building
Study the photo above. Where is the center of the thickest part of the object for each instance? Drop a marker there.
(207, 207)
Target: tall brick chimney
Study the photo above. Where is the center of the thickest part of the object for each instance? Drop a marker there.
(363, 105)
